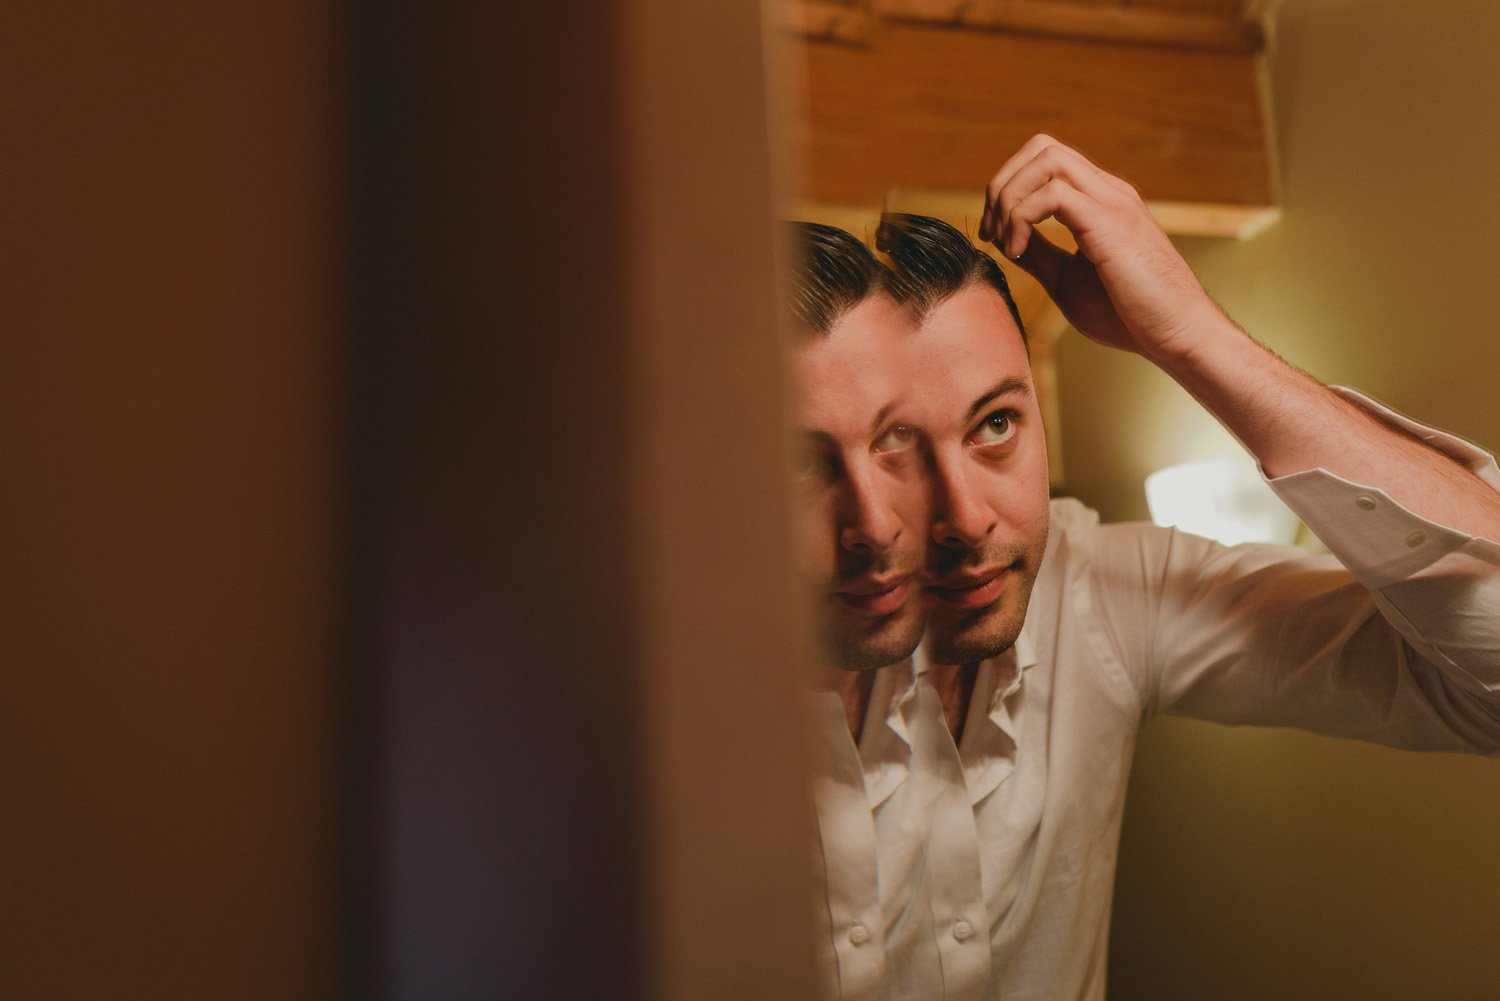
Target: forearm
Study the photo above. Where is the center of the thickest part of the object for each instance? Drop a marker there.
(1292, 423)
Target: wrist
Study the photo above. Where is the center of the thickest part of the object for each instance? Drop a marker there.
(1200, 339)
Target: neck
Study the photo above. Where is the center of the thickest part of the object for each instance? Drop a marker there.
(955, 687)
(854, 689)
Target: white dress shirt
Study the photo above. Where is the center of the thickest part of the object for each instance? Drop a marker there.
(993, 862)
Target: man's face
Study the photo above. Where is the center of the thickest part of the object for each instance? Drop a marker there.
(867, 501)
(970, 392)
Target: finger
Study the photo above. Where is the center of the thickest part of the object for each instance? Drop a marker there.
(1041, 159)
(1028, 152)
(1032, 148)
(1088, 167)
(1058, 197)
(1044, 261)
(1055, 165)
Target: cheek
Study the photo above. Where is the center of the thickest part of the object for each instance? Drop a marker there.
(911, 498)
(815, 540)
(1025, 498)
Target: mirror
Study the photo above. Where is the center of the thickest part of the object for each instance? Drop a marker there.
(1253, 862)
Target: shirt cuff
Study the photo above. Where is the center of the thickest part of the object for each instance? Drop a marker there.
(1380, 541)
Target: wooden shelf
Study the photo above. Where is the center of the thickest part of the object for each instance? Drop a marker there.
(918, 107)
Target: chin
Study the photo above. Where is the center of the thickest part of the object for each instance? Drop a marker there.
(889, 643)
(975, 637)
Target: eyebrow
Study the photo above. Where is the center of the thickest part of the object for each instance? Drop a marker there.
(1005, 387)
(830, 441)
(821, 437)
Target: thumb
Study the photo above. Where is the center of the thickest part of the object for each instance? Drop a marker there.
(1044, 260)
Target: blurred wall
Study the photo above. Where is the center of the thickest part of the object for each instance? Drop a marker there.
(1274, 864)
(534, 324)
(578, 646)
(170, 398)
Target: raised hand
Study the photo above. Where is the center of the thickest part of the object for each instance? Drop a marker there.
(1127, 286)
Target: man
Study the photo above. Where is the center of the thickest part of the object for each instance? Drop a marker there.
(860, 477)
(867, 507)
(1052, 638)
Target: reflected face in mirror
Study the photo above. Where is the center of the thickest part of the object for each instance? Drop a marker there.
(970, 392)
(863, 486)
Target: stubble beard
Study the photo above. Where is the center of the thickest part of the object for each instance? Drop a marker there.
(968, 638)
(857, 643)
(956, 637)
(887, 643)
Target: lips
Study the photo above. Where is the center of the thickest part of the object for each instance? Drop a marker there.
(875, 595)
(968, 591)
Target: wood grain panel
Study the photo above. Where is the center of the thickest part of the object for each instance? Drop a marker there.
(1222, 8)
(940, 109)
(841, 22)
(1180, 27)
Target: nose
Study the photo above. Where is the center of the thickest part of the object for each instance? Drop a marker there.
(867, 522)
(962, 517)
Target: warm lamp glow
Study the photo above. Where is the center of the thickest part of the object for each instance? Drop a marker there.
(1223, 499)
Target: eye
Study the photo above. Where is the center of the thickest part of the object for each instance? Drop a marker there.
(998, 427)
(897, 438)
(815, 465)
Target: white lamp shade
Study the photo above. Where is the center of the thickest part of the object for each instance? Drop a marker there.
(1223, 499)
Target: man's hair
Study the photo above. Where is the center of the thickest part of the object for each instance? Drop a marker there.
(832, 273)
(933, 262)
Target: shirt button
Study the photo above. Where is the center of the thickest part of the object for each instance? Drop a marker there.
(962, 930)
(859, 934)
(1415, 539)
(1365, 503)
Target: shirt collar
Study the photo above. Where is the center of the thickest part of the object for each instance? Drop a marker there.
(992, 730)
(885, 743)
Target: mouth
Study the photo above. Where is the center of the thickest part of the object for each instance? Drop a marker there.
(875, 596)
(970, 591)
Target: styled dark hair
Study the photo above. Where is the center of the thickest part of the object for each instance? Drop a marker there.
(832, 273)
(933, 262)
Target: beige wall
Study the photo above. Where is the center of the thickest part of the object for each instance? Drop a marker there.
(1273, 864)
